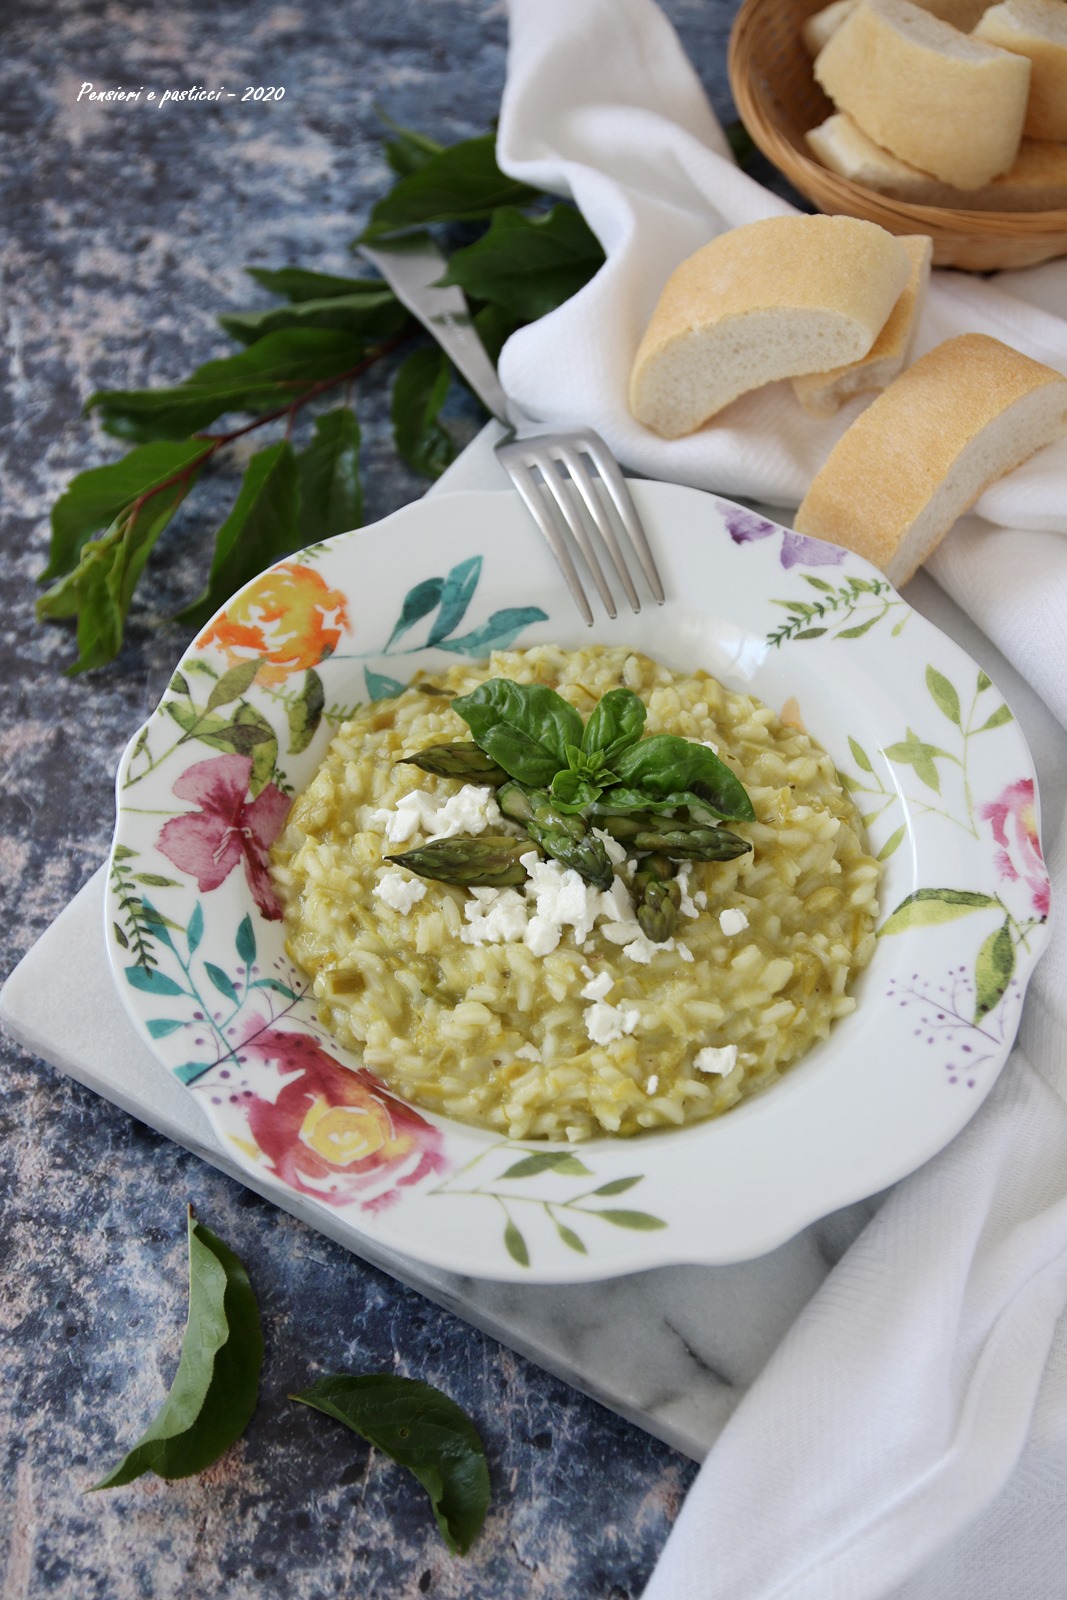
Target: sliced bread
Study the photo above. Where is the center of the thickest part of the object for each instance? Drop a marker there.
(824, 393)
(956, 420)
(818, 28)
(764, 301)
(939, 99)
(1036, 29)
(1036, 180)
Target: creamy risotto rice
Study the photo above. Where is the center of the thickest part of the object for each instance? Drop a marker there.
(542, 1011)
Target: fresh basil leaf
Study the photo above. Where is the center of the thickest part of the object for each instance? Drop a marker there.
(572, 792)
(99, 590)
(331, 495)
(462, 183)
(420, 1428)
(269, 373)
(94, 499)
(419, 391)
(665, 763)
(528, 265)
(262, 527)
(617, 721)
(362, 316)
(214, 1391)
(298, 285)
(526, 724)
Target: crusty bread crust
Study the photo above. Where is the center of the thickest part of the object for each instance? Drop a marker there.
(941, 100)
(1035, 181)
(764, 301)
(923, 452)
(824, 393)
(1036, 29)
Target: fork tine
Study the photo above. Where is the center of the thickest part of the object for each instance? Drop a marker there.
(574, 461)
(546, 463)
(536, 504)
(616, 485)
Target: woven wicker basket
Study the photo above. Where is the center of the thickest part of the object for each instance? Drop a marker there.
(778, 100)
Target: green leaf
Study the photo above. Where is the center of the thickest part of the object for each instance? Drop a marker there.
(420, 1428)
(381, 687)
(993, 971)
(155, 880)
(999, 717)
(419, 391)
(642, 1221)
(221, 981)
(331, 495)
(818, 583)
(515, 1244)
(561, 1161)
(572, 792)
(246, 941)
(160, 1027)
(859, 755)
(408, 151)
(305, 712)
(569, 1237)
(462, 183)
(945, 697)
(261, 528)
(419, 601)
(892, 842)
(233, 684)
(529, 265)
(928, 907)
(914, 753)
(368, 317)
(494, 327)
(500, 630)
(194, 931)
(984, 682)
(214, 1391)
(665, 763)
(152, 982)
(616, 722)
(299, 285)
(94, 499)
(268, 375)
(526, 727)
(99, 590)
(617, 1186)
(456, 595)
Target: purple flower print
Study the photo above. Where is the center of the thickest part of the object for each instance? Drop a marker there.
(798, 550)
(228, 828)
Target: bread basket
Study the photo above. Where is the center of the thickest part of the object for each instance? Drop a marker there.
(778, 100)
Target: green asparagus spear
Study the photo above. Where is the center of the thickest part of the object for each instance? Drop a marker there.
(566, 838)
(691, 844)
(656, 896)
(463, 759)
(489, 862)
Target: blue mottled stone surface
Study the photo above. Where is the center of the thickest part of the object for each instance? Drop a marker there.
(124, 230)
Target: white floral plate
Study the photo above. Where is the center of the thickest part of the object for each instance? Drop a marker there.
(937, 765)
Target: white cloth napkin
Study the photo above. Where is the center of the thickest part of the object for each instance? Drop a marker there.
(909, 1436)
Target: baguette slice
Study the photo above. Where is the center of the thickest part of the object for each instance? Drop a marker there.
(1036, 29)
(1036, 180)
(962, 416)
(939, 99)
(819, 28)
(824, 393)
(764, 301)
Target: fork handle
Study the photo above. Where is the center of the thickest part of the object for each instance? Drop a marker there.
(411, 267)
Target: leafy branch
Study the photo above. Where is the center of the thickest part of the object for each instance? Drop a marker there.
(515, 253)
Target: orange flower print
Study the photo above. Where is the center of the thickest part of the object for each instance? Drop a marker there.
(290, 618)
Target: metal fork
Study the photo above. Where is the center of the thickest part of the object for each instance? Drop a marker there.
(551, 470)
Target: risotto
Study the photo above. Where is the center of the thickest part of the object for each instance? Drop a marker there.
(539, 1008)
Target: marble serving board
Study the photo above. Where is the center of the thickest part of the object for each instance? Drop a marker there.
(672, 1350)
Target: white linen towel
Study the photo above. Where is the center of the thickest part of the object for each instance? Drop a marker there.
(909, 1436)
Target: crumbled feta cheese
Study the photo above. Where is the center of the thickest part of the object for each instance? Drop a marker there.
(732, 920)
(399, 889)
(722, 1060)
(471, 809)
(686, 906)
(615, 852)
(684, 951)
(605, 1023)
(528, 1052)
(494, 916)
(700, 900)
(709, 744)
(599, 987)
(653, 1084)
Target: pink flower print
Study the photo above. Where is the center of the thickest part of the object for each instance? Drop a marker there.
(1019, 859)
(228, 828)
